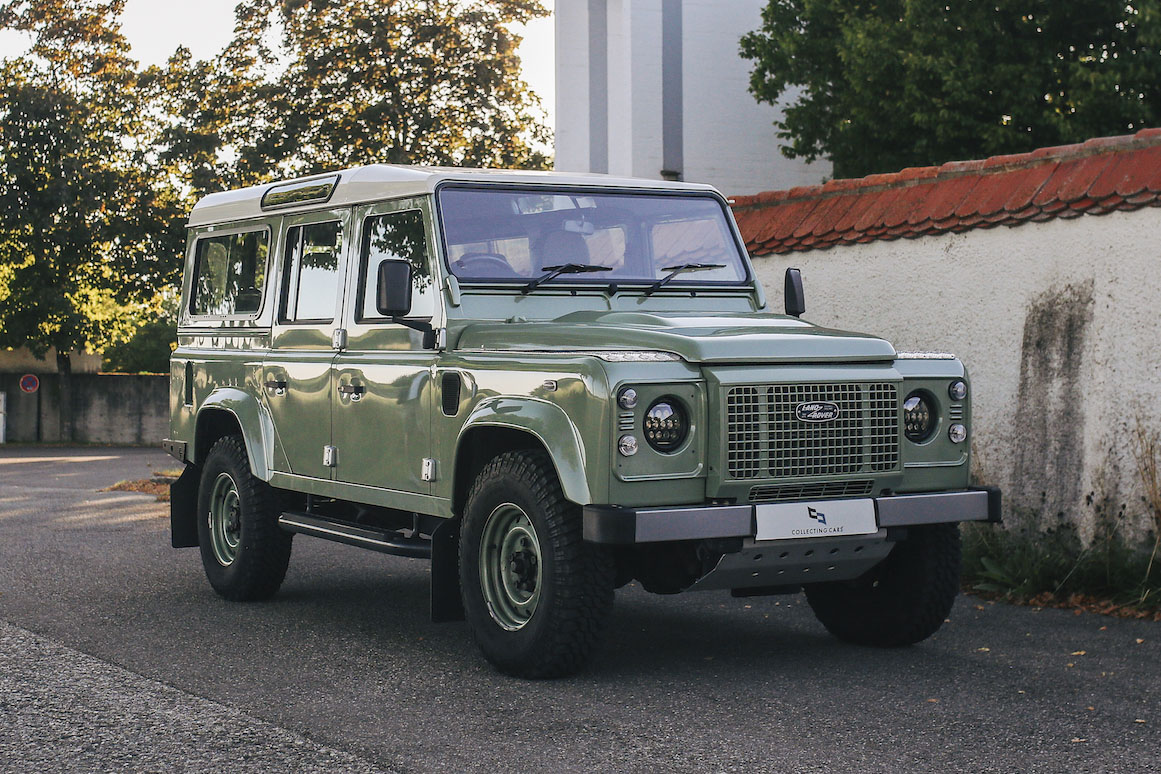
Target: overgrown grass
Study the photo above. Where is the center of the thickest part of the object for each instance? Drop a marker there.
(1110, 574)
(1056, 569)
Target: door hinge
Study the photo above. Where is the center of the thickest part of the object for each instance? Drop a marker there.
(339, 338)
(428, 469)
(330, 456)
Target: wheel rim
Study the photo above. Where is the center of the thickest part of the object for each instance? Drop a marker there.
(510, 566)
(225, 518)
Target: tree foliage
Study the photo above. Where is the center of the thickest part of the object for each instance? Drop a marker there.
(896, 83)
(100, 160)
(307, 86)
(86, 232)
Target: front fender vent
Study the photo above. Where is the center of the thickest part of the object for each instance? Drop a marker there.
(451, 394)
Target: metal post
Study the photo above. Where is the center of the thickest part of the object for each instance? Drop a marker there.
(3, 417)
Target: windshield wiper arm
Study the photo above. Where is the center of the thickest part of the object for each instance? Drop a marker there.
(680, 269)
(555, 271)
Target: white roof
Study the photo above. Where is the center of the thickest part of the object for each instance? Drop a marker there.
(387, 181)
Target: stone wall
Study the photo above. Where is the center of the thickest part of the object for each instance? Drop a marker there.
(106, 408)
(1059, 324)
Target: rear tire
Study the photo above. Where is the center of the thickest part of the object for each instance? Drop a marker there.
(902, 600)
(244, 551)
(535, 594)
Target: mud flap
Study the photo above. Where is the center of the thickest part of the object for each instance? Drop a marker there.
(183, 507)
(446, 603)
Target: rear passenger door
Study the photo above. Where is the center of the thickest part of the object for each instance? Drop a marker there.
(297, 374)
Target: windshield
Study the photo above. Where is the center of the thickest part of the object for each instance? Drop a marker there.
(503, 235)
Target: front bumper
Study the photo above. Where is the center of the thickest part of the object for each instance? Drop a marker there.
(612, 525)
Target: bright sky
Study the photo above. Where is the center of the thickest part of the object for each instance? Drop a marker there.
(155, 28)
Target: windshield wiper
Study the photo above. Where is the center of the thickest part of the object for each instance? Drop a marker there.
(680, 269)
(555, 271)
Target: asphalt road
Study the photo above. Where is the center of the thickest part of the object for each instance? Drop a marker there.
(116, 655)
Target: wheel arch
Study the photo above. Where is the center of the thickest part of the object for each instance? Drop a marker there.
(506, 424)
(230, 411)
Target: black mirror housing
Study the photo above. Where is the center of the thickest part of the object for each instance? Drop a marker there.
(393, 288)
(795, 297)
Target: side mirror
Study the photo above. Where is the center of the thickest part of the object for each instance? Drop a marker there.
(393, 288)
(795, 298)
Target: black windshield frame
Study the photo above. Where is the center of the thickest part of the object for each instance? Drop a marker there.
(598, 280)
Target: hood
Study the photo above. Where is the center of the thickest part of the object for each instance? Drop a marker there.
(698, 338)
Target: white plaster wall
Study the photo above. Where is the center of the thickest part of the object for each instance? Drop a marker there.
(1008, 301)
(572, 85)
(730, 140)
(643, 140)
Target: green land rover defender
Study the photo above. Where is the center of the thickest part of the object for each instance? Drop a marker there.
(550, 385)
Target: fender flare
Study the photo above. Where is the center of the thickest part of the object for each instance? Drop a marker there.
(542, 420)
(254, 420)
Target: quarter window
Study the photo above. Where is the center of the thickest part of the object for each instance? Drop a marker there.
(396, 236)
(231, 270)
(311, 285)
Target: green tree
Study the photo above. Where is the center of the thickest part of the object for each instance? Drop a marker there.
(87, 236)
(307, 86)
(897, 83)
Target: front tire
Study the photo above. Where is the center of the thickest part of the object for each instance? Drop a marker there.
(244, 551)
(902, 600)
(535, 594)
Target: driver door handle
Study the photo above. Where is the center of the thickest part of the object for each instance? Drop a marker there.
(354, 390)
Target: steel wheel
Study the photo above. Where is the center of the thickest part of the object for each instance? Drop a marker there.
(510, 566)
(225, 520)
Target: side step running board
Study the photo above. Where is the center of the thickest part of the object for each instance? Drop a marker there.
(384, 541)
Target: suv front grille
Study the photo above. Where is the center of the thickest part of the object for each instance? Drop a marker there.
(765, 438)
(818, 490)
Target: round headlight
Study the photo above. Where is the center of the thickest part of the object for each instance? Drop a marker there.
(957, 390)
(627, 445)
(666, 425)
(628, 398)
(957, 433)
(918, 417)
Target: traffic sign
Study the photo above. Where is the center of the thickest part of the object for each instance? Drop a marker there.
(30, 383)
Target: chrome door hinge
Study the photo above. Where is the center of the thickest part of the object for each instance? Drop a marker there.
(330, 456)
(339, 338)
(428, 469)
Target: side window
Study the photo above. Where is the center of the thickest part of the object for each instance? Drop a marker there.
(396, 236)
(230, 271)
(310, 283)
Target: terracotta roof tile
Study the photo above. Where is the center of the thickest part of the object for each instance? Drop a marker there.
(1099, 176)
(1026, 184)
(879, 204)
(944, 197)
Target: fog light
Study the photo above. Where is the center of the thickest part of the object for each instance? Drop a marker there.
(957, 433)
(957, 390)
(627, 445)
(628, 398)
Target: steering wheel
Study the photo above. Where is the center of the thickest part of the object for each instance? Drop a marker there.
(484, 265)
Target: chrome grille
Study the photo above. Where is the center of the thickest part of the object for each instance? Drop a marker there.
(818, 490)
(766, 439)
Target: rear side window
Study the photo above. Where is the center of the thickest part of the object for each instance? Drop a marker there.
(231, 270)
(311, 286)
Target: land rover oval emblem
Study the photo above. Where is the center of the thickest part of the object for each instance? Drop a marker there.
(817, 412)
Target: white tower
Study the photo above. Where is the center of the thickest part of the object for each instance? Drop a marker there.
(657, 89)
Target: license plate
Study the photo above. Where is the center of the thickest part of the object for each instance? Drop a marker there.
(827, 518)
